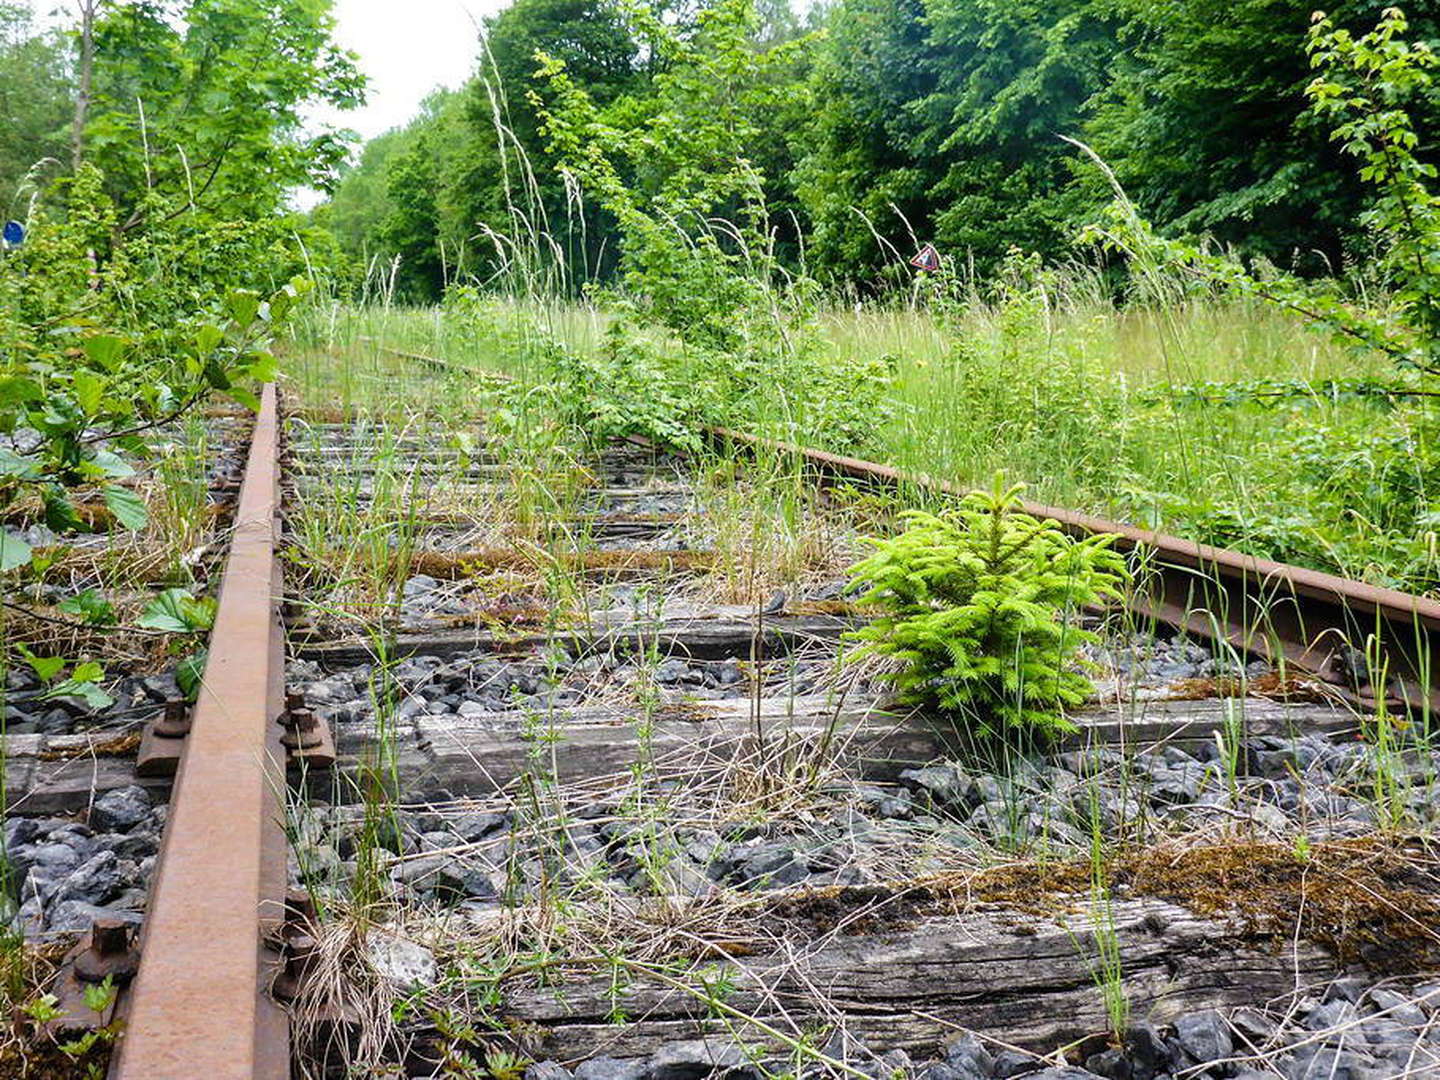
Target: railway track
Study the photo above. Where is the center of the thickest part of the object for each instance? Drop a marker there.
(447, 692)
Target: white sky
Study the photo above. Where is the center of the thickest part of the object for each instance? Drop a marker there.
(408, 48)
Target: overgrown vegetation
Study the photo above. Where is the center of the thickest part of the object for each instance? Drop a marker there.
(1157, 388)
(148, 263)
(644, 221)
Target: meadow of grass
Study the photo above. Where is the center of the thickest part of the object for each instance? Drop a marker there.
(1091, 404)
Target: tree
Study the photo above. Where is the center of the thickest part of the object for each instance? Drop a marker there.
(1206, 125)
(35, 99)
(85, 80)
(674, 167)
(942, 118)
(856, 170)
(199, 104)
(1017, 75)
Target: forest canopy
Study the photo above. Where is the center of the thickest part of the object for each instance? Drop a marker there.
(883, 123)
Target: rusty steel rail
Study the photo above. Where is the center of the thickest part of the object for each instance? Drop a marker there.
(200, 1006)
(1367, 643)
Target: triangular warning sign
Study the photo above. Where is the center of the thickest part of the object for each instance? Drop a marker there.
(927, 258)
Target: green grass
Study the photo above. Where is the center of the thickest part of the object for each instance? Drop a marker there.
(1054, 386)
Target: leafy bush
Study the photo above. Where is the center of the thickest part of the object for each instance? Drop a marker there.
(976, 603)
(627, 388)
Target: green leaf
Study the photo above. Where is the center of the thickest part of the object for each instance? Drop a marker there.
(207, 338)
(263, 367)
(111, 464)
(46, 667)
(16, 390)
(105, 350)
(20, 468)
(245, 397)
(217, 376)
(242, 306)
(176, 611)
(101, 997)
(128, 508)
(190, 672)
(60, 514)
(86, 691)
(90, 607)
(89, 671)
(13, 552)
(89, 391)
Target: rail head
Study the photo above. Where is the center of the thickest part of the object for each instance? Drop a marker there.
(198, 1006)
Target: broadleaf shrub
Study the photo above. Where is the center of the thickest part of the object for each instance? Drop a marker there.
(977, 603)
(623, 389)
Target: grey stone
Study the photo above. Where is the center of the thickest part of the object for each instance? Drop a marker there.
(1177, 784)
(474, 827)
(1146, 1050)
(130, 900)
(891, 1064)
(160, 687)
(1205, 1036)
(411, 707)
(968, 1056)
(703, 845)
(693, 1059)
(683, 879)
(609, 1068)
(546, 1070)
(135, 845)
(1385, 1036)
(463, 882)
(31, 917)
(1272, 817)
(95, 881)
(76, 916)
(1349, 988)
(885, 805)
(1111, 1064)
(671, 671)
(773, 863)
(400, 961)
(1398, 1007)
(422, 874)
(946, 785)
(20, 831)
(121, 809)
(1010, 1063)
(55, 858)
(1427, 996)
(1331, 1064)
(1254, 1026)
(1330, 1014)
(53, 722)
(418, 586)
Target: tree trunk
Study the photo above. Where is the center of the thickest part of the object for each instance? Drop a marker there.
(87, 73)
